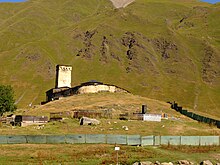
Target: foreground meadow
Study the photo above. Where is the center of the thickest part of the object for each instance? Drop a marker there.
(102, 154)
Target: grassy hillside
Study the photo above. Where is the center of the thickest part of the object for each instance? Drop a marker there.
(177, 124)
(162, 49)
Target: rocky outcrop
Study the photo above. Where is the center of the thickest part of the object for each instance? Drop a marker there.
(180, 162)
(88, 121)
(143, 163)
(209, 73)
(184, 162)
(164, 46)
(165, 163)
(104, 49)
(206, 162)
(129, 41)
(87, 42)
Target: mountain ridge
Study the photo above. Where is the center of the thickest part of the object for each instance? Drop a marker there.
(166, 50)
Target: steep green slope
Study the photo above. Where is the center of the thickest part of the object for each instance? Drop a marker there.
(168, 50)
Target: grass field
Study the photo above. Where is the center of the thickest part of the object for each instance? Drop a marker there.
(102, 154)
(71, 126)
(118, 103)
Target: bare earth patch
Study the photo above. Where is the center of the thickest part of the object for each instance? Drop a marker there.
(121, 3)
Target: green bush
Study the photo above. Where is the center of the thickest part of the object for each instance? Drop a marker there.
(7, 102)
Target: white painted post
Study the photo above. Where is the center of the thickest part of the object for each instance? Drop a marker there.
(117, 149)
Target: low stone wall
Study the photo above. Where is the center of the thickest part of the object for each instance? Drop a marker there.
(98, 88)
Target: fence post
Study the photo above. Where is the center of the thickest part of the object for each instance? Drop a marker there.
(105, 139)
(180, 140)
(157, 140)
(85, 139)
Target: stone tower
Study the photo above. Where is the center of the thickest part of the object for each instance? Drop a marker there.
(63, 76)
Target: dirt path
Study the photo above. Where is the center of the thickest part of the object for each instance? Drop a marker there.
(121, 3)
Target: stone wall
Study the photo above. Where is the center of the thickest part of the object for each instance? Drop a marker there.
(98, 88)
(63, 76)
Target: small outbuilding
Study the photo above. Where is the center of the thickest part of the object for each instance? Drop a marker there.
(24, 120)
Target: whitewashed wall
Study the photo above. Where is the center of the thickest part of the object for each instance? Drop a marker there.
(96, 89)
(152, 117)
